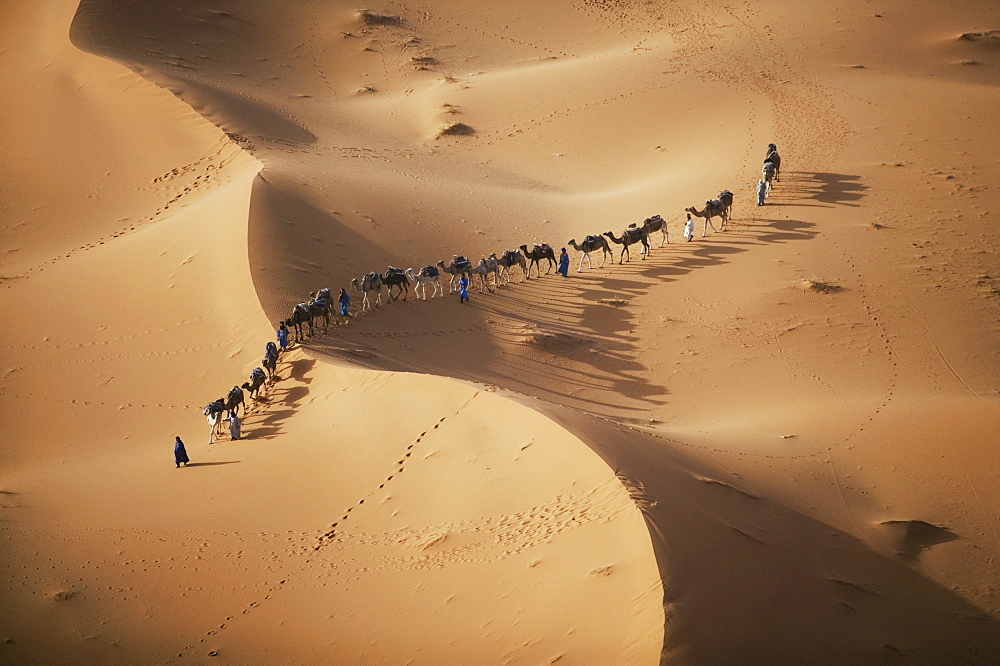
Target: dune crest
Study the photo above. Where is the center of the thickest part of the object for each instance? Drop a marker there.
(770, 443)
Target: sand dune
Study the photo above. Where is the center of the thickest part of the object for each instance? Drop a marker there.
(773, 444)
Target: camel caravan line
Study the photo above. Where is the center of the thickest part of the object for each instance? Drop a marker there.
(492, 271)
(219, 411)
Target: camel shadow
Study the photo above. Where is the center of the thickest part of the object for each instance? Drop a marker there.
(571, 341)
(827, 188)
(281, 401)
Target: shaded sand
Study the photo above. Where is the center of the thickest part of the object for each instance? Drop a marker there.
(774, 444)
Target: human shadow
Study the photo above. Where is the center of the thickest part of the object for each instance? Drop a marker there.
(212, 464)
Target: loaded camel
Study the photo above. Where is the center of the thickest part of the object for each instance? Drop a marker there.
(270, 363)
(396, 277)
(213, 414)
(768, 172)
(654, 224)
(591, 243)
(368, 283)
(510, 258)
(457, 267)
(630, 236)
(713, 208)
(774, 158)
(427, 275)
(301, 314)
(234, 400)
(257, 379)
(482, 269)
(726, 197)
(321, 306)
(538, 252)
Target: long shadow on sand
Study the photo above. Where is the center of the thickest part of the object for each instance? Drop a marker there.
(805, 188)
(282, 399)
(576, 334)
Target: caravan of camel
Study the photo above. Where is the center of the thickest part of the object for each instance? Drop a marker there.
(492, 271)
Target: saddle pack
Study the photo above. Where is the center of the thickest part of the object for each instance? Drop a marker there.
(214, 407)
(257, 375)
(430, 271)
(591, 239)
(461, 262)
(542, 247)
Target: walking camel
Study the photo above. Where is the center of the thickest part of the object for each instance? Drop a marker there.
(427, 275)
(213, 414)
(538, 252)
(654, 224)
(482, 269)
(321, 306)
(508, 259)
(630, 236)
(301, 314)
(368, 283)
(726, 197)
(768, 172)
(774, 158)
(591, 243)
(270, 363)
(457, 267)
(713, 208)
(234, 400)
(396, 277)
(257, 379)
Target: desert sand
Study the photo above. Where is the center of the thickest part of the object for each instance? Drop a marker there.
(776, 443)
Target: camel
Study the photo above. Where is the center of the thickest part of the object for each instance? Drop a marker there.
(301, 314)
(768, 172)
(427, 274)
(654, 224)
(270, 363)
(726, 197)
(234, 400)
(713, 208)
(630, 236)
(457, 267)
(482, 269)
(492, 265)
(257, 379)
(396, 277)
(213, 414)
(370, 282)
(321, 306)
(774, 158)
(509, 258)
(591, 243)
(538, 252)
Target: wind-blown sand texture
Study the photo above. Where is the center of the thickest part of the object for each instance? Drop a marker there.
(773, 444)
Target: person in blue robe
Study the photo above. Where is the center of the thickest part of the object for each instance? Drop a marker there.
(180, 453)
(564, 263)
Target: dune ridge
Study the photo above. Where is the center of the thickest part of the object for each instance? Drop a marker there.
(793, 420)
